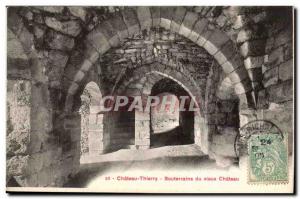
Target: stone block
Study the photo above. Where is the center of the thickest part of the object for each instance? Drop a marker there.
(245, 118)
(199, 26)
(188, 23)
(281, 92)
(141, 125)
(254, 62)
(270, 77)
(17, 142)
(51, 9)
(142, 116)
(131, 21)
(283, 37)
(238, 75)
(79, 76)
(73, 88)
(286, 70)
(255, 74)
(270, 44)
(58, 41)
(78, 11)
(201, 40)
(242, 87)
(144, 16)
(72, 27)
(17, 165)
(155, 13)
(210, 47)
(221, 20)
(86, 65)
(178, 16)
(75, 59)
(97, 39)
(95, 137)
(276, 57)
(288, 50)
(243, 35)
(95, 147)
(110, 33)
(262, 101)
(166, 15)
(232, 64)
(218, 38)
(227, 51)
(119, 25)
(253, 48)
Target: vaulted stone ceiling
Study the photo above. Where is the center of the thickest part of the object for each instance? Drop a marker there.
(169, 86)
(156, 45)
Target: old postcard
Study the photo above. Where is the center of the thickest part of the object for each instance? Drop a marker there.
(157, 99)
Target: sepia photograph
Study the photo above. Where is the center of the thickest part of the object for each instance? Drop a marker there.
(150, 99)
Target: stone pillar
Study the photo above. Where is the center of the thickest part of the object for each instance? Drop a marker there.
(142, 129)
(18, 131)
(95, 133)
(204, 139)
(71, 143)
(197, 129)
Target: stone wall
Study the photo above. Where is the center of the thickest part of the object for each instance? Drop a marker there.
(221, 116)
(18, 129)
(276, 95)
(120, 128)
(229, 57)
(164, 118)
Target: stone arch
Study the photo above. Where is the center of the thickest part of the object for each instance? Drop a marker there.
(184, 132)
(165, 71)
(143, 118)
(112, 33)
(92, 135)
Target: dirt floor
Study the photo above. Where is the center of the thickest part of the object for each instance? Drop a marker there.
(148, 162)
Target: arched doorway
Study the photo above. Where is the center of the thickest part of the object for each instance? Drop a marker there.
(156, 83)
(92, 136)
(171, 120)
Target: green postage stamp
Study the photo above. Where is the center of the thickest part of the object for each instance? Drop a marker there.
(268, 157)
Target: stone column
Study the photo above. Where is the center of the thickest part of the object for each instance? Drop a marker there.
(201, 128)
(197, 129)
(70, 141)
(95, 132)
(142, 129)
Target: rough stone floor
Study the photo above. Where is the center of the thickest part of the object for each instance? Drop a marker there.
(131, 162)
(140, 155)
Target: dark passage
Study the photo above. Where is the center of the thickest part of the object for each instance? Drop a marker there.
(169, 138)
